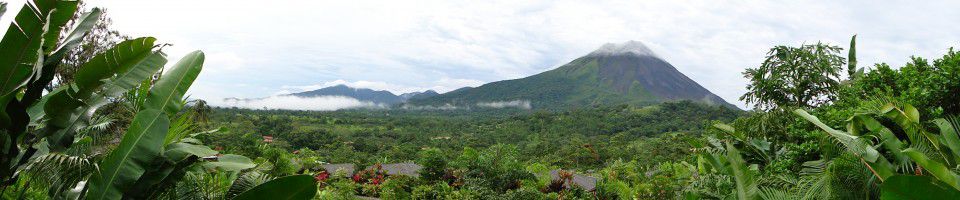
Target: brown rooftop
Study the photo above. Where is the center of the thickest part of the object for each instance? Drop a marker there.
(406, 169)
(347, 168)
(588, 183)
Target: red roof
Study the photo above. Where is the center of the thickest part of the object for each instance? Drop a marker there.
(267, 138)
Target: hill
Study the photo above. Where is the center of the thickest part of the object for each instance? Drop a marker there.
(362, 94)
(625, 73)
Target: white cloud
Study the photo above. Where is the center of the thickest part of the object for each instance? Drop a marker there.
(321, 103)
(271, 44)
(521, 104)
(442, 85)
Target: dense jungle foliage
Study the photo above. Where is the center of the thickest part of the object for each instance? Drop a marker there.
(91, 114)
(581, 139)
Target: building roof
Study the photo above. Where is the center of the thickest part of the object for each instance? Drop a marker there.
(346, 168)
(406, 169)
(588, 183)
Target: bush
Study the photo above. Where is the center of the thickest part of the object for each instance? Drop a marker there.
(434, 163)
(397, 188)
(430, 192)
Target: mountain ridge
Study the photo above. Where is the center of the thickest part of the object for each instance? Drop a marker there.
(623, 73)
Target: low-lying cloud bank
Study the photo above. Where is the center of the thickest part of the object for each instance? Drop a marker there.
(332, 103)
(521, 104)
(286, 102)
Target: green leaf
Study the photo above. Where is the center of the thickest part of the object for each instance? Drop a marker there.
(948, 130)
(117, 70)
(230, 162)
(853, 143)
(725, 128)
(730, 130)
(180, 151)
(122, 60)
(912, 113)
(158, 178)
(290, 187)
(902, 187)
(745, 180)
(852, 58)
(935, 168)
(54, 53)
(141, 144)
(133, 77)
(84, 24)
(890, 141)
(20, 51)
(56, 21)
(169, 90)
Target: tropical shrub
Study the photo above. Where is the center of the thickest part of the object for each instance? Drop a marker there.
(804, 76)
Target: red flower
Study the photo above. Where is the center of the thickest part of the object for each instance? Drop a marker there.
(356, 178)
(322, 176)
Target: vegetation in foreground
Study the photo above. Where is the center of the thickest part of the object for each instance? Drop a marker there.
(86, 118)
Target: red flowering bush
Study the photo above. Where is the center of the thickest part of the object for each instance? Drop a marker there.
(374, 175)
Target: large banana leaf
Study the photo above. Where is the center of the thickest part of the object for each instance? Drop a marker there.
(290, 187)
(759, 146)
(852, 58)
(937, 169)
(158, 177)
(169, 90)
(890, 141)
(903, 187)
(20, 49)
(21, 54)
(36, 87)
(230, 162)
(119, 69)
(61, 14)
(180, 151)
(746, 182)
(125, 59)
(854, 144)
(948, 130)
(84, 24)
(140, 146)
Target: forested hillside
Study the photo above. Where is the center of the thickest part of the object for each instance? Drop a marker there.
(90, 113)
(554, 138)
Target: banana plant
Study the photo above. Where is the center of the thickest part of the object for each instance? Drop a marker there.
(36, 121)
(923, 153)
(724, 158)
(852, 71)
(28, 60)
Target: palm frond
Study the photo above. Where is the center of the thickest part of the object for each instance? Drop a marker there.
(776, 194)
(246, 182)
(60, 172)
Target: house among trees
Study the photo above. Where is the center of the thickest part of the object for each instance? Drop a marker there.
(346, 168)
(267, 138)
(407, 169)
(588, 183)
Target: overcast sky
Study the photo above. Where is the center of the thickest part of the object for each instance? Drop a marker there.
(262, 48)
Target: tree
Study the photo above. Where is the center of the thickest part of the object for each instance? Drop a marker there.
(804, 76)
(101, 37)
(434, 163)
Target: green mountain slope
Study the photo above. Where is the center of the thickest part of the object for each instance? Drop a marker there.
(627, 73)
